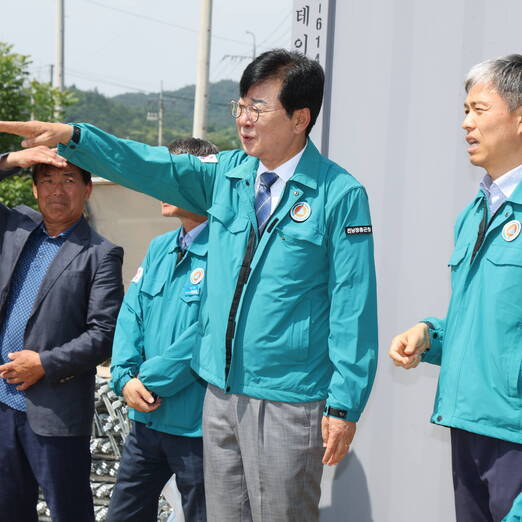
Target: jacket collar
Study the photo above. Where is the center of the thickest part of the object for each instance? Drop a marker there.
(307, 169)
(198, 247)
(516, 197)
(305, 172)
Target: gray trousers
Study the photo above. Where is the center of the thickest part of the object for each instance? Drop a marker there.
(262, 459)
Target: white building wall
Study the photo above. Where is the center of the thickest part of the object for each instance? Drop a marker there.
(396, 108)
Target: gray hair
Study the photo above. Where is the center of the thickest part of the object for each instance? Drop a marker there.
(504, 74)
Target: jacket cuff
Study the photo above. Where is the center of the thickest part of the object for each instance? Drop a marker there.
(7, 172)
(118, 383)
(50, 374)
(436, 333)
(67, 151)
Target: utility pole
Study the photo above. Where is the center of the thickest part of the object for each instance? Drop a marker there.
(201, 96)
(60, 50)
(254, 54)
(160, 116)
(51, 74)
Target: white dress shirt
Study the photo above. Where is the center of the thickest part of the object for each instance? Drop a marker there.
(501, 189)
(284, 173)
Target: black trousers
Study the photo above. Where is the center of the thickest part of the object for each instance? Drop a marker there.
(487, 476)
(59, 465)
(148, 461)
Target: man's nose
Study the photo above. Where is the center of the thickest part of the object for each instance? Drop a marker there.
(245, 118)
(467, 122)
(58, 188)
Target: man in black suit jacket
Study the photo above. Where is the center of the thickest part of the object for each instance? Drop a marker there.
(60, 291)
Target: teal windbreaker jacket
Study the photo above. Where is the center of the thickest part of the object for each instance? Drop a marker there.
(479, 343)
(290, 316)
(157, 332)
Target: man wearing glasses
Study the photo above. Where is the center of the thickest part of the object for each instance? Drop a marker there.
(289, 329)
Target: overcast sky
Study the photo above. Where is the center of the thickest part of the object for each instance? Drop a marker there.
(130, 45)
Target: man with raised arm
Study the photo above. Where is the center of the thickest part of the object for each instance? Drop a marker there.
(289, 341)
(478, 345)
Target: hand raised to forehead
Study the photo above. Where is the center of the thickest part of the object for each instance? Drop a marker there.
(38, 132)
(33, 156)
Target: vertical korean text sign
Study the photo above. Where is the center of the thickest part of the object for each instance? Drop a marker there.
(310, 36)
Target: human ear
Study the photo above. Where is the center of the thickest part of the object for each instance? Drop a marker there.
(302, 120)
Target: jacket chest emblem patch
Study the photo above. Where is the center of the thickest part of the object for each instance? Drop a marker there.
(511, 230)
(197, 276)
(300, 212)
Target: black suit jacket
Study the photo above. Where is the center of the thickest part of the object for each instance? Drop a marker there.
(72, 321)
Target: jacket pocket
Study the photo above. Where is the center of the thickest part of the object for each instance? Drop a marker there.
(514, 366)
(515, 374)
(457, 256)
(457, 263)
(298, 345)
(228, 218)
(502, 272)
(152, 286)
(300, 235)
(505, 256)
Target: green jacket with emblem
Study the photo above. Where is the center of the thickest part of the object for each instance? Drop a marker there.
(303, 325)
(479, 343)
(157, 332)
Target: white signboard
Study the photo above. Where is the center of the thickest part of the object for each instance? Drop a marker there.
(310, 37)
(309, 28)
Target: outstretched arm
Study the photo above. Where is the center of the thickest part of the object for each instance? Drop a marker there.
(38, 132)
(183, 180)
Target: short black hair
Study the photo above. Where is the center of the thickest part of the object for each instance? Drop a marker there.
(86, 175)
(194, 146)
(302, 80)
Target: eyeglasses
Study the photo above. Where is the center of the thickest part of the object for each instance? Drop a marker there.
(251, 111)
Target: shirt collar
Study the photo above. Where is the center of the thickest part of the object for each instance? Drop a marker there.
(284, 171)
(188, 239)
(63, 234)
(507, 183)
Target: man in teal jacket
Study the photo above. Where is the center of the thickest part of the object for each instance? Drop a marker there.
(289, 340)
(479, 345)
(156, 334)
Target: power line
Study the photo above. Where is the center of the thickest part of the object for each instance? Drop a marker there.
(159, 21)
(283, 21)
(222, 66)
(283, 42)
(94, 78)
(172, 97)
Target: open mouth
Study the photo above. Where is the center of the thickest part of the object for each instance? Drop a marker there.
(473, 144)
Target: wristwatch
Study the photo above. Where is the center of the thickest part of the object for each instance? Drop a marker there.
(335, 412)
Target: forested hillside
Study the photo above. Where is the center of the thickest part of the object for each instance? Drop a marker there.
(125, 115)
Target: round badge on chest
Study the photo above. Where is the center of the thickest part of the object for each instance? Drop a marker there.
(300, 212)
(511, 230)
(197, 276)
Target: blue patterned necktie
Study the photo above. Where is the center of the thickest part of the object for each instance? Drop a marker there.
(263, 202)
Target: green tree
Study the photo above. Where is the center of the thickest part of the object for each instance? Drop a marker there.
(23, 99)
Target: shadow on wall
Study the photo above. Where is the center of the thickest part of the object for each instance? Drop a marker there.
(350, 498)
